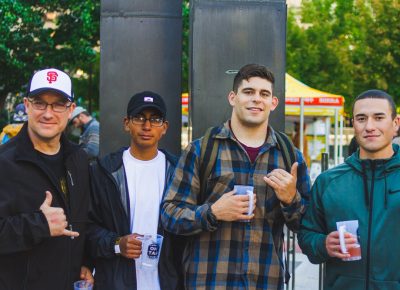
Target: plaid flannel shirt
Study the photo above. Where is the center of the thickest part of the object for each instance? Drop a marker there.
(233, 255)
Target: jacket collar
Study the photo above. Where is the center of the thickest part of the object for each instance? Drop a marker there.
(113, 161)
(225, 132)
(379, 165)
(85, 126)
(26, 151)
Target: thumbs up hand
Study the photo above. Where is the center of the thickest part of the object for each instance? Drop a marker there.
(283, 183)
(56, 218)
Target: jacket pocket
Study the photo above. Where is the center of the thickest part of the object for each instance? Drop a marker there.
(385, 285)
(216, 187)
(347, 282)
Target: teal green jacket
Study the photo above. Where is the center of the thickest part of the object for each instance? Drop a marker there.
(367, 191)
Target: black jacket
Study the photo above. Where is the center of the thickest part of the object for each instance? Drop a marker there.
(111, 219)
(29, 258)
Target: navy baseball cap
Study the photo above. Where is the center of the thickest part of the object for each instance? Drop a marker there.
(145, 100)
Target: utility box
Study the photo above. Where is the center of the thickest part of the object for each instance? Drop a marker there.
(226, 35)
(141, 48)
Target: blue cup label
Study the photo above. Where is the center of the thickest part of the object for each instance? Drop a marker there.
(152, 251)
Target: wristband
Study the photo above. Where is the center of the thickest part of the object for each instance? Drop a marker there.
(117, 250)
(211, 217)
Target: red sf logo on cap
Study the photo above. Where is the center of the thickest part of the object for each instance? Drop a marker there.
(52, 76)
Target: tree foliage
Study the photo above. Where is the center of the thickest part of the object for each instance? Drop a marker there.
(31, 39)
(185, 45)
(345, 46)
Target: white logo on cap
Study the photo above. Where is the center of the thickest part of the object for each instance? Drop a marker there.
(148, 99)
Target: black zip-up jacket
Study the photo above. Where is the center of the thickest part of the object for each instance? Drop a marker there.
(111, 219)
(29, 258)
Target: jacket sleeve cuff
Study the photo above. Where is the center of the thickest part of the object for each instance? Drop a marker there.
(321, 247)
(292, 207)
(210, 222)
(45, 229)
(113, 241)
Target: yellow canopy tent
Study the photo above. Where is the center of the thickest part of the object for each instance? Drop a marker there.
(302, 100)
(316, 102)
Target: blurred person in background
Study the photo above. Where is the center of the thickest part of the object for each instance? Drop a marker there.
(89, 138)
(12, 129)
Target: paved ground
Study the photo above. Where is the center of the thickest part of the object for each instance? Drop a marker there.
(306, 274)
(306, 277)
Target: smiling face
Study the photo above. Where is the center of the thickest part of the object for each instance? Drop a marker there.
(46, 126)
(374, 128)
(253, 102)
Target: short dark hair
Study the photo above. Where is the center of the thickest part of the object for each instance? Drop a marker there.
(377, 94)
(252, 70)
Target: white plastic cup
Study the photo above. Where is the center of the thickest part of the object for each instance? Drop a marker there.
(246, 190)
(83, 285)
(151, 249)
(352, 228)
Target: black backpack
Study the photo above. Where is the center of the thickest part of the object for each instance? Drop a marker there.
(209, 151)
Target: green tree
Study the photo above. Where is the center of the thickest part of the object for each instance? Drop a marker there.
(31, 39)
(382, 49)
(345, 46)
(185, 46)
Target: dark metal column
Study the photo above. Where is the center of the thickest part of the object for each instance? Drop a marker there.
(225, 35)
(141, 45)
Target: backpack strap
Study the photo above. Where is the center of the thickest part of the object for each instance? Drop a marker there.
(287, 148)
(208, 157)
(289, 157)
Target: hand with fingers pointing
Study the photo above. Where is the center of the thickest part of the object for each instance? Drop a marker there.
(56, 218)
(283, 183)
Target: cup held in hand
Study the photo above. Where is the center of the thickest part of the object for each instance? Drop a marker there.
(246, 190)
(352, 228)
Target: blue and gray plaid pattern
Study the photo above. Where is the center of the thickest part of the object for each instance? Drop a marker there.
(233, 255)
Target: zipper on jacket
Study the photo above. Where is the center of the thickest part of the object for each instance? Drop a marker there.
(27, 273)
(127, 215)
(371, 207)
(70, 177)
(70, 220)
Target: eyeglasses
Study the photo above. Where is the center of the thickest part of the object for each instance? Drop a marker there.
(154, 121)
(58, 107)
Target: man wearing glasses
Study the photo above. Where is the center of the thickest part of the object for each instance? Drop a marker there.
(127, 189)
(44, 193)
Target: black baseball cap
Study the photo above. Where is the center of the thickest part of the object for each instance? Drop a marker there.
(145, 100)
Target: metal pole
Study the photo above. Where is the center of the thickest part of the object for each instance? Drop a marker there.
(293, 259)
(287, 253)
(328, 133)
(301, 145)
(324, 161)
(336, 137)
(341, 139)
(324, 167)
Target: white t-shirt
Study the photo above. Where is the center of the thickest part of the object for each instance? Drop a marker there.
(146, 181)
